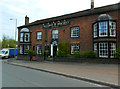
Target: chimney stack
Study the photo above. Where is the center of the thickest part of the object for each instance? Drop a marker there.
(26, 20)
(92, 4)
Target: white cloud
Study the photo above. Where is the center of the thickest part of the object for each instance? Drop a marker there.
(40, 9)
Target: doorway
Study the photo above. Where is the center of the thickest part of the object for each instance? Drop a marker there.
(54, 50)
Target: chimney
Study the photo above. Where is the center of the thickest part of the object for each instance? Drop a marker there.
(92, 4)
(26, 20)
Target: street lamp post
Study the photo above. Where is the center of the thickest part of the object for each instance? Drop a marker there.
(15, 34)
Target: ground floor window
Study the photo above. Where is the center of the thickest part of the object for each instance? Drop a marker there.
(95, 48)
(74, 47)
(105, 49)
(23, 49)
(39, 49)
(112, 49)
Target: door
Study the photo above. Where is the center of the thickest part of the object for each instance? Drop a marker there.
(54, 50)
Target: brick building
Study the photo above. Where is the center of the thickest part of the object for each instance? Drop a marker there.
(96, 29)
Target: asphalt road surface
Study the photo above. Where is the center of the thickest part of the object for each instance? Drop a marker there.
(15, 76)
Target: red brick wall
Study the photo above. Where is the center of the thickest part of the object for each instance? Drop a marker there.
(86, 32)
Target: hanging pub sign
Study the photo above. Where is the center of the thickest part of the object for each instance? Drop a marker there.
(55, 24)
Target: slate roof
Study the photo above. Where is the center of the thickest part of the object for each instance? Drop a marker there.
(99, 10)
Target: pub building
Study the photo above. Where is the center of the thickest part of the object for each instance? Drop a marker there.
(96, 29)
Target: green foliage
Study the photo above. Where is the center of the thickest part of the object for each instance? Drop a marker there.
(42, 54)
(88, 54)
(117, 53)
(62, 54)
(76, 54)
(6, 41)
(64, 47)
(30, 53)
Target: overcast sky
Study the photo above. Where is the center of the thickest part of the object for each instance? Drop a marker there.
(39, 9)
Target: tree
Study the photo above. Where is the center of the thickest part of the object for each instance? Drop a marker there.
(6, 40)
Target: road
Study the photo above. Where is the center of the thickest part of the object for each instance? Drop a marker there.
(15, 76)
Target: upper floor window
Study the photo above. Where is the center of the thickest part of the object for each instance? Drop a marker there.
(39, 35)
(105, 26)
(112, 29)
(54, 34)
(103, 29)
(75, 32)
(24, 35)
(95, 30)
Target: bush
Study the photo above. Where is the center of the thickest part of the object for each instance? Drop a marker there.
(76, 54)
(64, 47)
(88, 54)
(31, 53)
(62, 54)
(117, 53)
(42, 54)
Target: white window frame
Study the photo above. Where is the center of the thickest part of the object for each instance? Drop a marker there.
(39, 49)
(21, 49)
(102, 50)
(55, 34)
(95, 31)
(105, 29)
(26, 47)
(21, 37)
(26, 37)
(74, 31)
(95, 48)
(75, 47)
(112, 50)
(112, 28)
(39, 35)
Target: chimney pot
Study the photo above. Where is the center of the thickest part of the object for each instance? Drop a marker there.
(92, 4)
(26, 20)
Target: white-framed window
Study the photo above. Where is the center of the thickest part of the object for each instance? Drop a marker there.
(21, 49)
(75, 32)
(26, 47)
(39, 49)
(112, 50)
(95, 48)
(21, 37)
(27, 37)
(74, 47)
(55, 34)
(39, 35)
(112, 29)
(95, 30)
(103, 29)
(103, 50)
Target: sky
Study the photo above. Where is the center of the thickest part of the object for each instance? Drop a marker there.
(39, 9)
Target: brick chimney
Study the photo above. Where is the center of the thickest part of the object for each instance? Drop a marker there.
(92, 4)
(26, 20)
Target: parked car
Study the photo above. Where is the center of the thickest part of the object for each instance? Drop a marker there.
(8, 52)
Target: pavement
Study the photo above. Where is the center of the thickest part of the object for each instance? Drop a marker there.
(104, 74)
